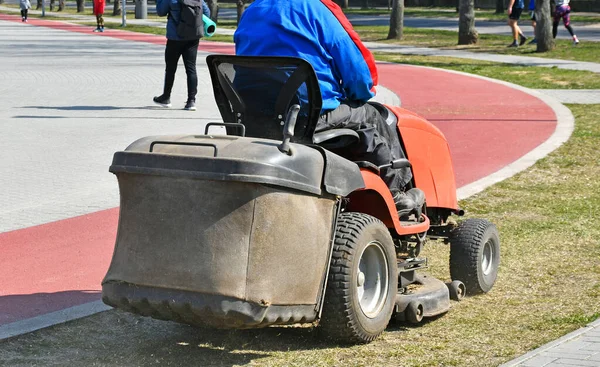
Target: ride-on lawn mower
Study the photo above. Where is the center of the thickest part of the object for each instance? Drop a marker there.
(267, 225)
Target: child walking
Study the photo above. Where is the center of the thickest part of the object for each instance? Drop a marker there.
(25, 5)
(98, 12)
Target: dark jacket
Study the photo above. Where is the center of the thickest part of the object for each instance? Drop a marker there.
(172, 9)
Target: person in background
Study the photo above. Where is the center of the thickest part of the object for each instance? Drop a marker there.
(533, 21)
(177, 47)
(319, 32)
(98, 6)
(25, 5)
(563, 10)
(515, 8)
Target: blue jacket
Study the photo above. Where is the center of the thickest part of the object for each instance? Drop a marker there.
(172, 9)
(317, 31)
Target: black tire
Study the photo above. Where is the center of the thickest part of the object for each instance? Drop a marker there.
(414, 312)
(343, 318)
(475, 255)
(457, 290)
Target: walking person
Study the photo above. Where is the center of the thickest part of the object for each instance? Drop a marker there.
(515, 8)
(182, 42)
(563, 10)
(25, 6)
(99, 12)
(533, 21)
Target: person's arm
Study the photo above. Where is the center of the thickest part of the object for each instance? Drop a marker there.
(353, 62)
(356, 82)
(162, 7)
(205, 9)
(510, 5)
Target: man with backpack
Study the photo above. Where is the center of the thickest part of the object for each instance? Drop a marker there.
(184, 30)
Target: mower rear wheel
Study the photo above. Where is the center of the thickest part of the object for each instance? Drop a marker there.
(363, 280)
(475, 255)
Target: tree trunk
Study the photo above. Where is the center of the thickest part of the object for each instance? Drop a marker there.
(39, 5)
(500, 6)
(543, 28)
(52, 5)
(213, 5)
(116, 8)
(240, 9)
(80, 6)
(344, 4)
(396, 20)
(61, 5)
(467, 34)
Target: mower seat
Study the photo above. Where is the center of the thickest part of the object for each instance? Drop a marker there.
(258, 92)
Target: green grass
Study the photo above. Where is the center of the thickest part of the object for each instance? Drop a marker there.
(547, 286)
(527, 76)
(480, 14)
(585, 51)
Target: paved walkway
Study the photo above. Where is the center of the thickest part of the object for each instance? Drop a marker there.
(71, 120)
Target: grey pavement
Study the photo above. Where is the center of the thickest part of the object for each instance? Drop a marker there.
(574, 96)
(63, 116)
(61, 121)
(579, 348)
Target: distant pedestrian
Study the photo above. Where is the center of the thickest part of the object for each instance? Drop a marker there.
(533, 21)
(99, 12)
(563, 10)
(25, 6)
(182, 41)
(515, 8)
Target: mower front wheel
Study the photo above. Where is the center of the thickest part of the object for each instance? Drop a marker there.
(363, 280)
(475, 255)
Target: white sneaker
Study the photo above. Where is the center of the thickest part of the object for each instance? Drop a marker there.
(575, 41)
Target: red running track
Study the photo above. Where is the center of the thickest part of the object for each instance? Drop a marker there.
(61, 264)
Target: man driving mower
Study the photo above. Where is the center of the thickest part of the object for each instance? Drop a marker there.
(319, 32)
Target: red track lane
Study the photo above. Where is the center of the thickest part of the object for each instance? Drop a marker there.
(61, 264)
(488, 125)
(55, 265)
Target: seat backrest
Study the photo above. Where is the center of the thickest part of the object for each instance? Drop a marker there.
(258, 92)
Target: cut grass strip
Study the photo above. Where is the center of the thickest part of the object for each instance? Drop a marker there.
(450, 12)
(488, 43)
(527, 76)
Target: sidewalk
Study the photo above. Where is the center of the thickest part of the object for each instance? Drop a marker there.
(126, 120)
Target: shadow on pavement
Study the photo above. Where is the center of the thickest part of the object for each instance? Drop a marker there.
(21, 306)
(91, 108)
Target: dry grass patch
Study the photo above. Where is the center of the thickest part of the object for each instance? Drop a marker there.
(527, 76)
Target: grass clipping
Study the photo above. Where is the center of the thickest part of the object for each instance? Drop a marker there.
(547, 286)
